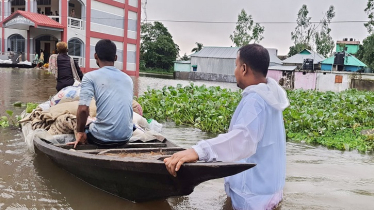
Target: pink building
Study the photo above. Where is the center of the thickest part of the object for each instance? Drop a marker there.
(29, 26)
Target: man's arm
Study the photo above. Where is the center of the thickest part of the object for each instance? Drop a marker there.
(85, 97)
(241, 142)
(82, 115)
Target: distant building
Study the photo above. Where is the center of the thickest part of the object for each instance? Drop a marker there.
(298, 59)
(351, 46)
(221, 60)
(183, 66)
(351, 63)
(29, 26)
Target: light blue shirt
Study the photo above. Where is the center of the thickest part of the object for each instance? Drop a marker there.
(113, 92)
(256, 135)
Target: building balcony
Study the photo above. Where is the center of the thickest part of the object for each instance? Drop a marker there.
(75, 23)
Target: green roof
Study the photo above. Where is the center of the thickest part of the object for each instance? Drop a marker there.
(349, 60)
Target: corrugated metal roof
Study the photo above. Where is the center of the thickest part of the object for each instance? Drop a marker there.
(230, 53)
(299, 58)
(283, 68)
(349, 60)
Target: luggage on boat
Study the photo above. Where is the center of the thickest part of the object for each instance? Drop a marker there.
(67, 94)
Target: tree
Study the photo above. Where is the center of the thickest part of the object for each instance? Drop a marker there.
(306, 36)
(198, 47)
(185, 57)
(298, 48)
(246, 30)
(370, 12)
(157, 49)
(366, 52)
(323, 40)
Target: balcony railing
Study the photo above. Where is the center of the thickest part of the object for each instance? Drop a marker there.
(75, 23)
(55, 18)
(79, 60)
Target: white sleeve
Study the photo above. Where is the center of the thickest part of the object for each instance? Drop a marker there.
(241, 141)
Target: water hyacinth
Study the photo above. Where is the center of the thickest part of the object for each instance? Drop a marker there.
(326, 118)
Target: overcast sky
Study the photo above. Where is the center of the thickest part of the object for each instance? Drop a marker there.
(276, 35)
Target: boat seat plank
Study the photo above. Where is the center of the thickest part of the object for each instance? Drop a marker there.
(129, 145)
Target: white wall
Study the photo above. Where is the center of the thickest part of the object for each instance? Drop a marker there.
(326, 82)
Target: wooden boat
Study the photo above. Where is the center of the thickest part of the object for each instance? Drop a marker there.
(135, 171)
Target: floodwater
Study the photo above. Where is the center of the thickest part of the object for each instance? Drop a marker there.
(317, 178)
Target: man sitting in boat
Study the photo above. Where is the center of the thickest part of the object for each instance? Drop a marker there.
(113, 92)
(256, 135)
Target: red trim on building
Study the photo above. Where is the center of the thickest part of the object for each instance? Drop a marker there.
(138, 38)
(112, 3)
(2, 28)
(28, 6)
(88, 36)
(28, 45)
(64, 19)
(134, 9)
(99, 35)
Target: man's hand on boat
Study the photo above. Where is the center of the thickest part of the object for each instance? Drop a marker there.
(174, 162)
(81, 137)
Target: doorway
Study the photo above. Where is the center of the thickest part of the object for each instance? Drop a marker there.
(46, 43)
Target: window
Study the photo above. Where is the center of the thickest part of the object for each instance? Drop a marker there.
(16, 43)
(18, 2)
(44, 2)
(75, 47)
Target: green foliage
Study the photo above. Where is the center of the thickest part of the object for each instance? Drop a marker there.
(207, 108)
(185, 57)
(30, 107)
(370, 12)
(330, 119)
(157, 49)
(324, 42)
(366, 51)
(246, 30)
(198, 47)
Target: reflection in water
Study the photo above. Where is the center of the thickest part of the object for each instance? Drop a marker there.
(317, 178)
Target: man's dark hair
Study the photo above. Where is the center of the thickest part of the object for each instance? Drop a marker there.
(106, 50)
(256, 57)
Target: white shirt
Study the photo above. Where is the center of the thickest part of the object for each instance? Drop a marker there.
(256, 135)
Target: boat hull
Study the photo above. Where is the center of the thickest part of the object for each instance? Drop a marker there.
(136, 179)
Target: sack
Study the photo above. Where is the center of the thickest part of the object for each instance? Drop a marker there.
(139, 120)
(67, 94)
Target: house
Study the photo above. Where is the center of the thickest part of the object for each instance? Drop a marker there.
(298, 59)
(183, 66)
(351, 46)
(351, 63)
(29, 26)
(221, 60)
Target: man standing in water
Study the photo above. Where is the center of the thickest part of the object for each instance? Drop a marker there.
(113, 92)
(256, 135)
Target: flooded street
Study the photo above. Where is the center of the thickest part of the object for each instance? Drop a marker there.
(317, 178)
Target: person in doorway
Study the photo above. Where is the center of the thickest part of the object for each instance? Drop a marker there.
(72, 13)
(19, 59)
(56, 13)
(10, 54)
(36, 59)
(113, 91)
(63, 67)
(256, 135)
(41, 58)
(42, 13)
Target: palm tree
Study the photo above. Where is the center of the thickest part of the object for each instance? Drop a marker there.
(198, 47)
